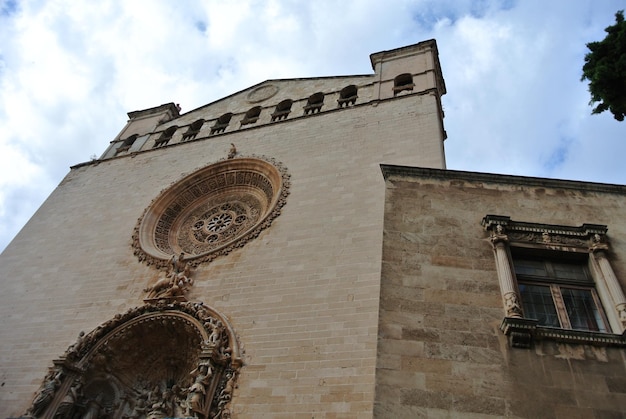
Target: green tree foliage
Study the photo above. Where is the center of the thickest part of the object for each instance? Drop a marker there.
(605, 68)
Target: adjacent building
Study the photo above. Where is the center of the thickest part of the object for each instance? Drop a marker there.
(501, 296)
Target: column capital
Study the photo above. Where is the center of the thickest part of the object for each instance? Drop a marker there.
(598, 245)
(496, 226)
(498, 239)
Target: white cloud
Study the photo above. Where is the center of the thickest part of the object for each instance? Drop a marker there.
(69, 71)
(521, 107)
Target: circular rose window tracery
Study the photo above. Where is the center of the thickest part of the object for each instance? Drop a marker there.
(211, 211)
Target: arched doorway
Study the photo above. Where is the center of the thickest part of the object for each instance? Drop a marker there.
(169, 359)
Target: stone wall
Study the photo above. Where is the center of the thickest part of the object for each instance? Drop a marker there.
(440, 349)
(302, 296)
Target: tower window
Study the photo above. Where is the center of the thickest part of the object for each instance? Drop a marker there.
(315, 103)
(193, 130)
(165, 137)
(403, 82)
(126, 144)
(221, 123)
(282, 110)
(251, 116)
(347, 96)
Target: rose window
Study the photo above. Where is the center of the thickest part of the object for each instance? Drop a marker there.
(217, 223)
(214, 209)
(207, 228)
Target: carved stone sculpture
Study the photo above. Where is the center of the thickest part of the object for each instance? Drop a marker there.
(175, 283)
(232, 152)
(136, 366)
(68, 406)
(513, 307)
(94, 407)
(197, 400)
(46, 393)
(216, 333)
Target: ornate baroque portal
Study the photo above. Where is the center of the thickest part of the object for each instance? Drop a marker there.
(170, 359)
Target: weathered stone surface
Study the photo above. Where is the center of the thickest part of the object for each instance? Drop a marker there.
(303, 296)
(468, 365)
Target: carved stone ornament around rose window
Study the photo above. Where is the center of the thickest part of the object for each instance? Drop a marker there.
(163, 360)
(212, 211)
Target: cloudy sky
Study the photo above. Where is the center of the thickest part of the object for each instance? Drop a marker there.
(70, 70)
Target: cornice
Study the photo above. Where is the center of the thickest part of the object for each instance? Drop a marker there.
(151, 111)
(391, 172)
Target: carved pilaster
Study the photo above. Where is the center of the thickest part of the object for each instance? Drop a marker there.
(506, 276)
(599, 252)
(507, 281)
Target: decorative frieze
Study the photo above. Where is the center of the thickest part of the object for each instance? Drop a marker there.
(543, 234)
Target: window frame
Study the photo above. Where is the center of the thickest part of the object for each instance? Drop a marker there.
(588, 246)
(556, 287)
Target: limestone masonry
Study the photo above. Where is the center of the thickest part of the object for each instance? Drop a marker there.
(248, 259)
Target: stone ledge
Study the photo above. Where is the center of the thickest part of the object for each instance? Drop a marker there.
(522, 332)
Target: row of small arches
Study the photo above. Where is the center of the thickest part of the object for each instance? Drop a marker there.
(347, 97)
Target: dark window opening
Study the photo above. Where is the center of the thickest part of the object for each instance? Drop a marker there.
(165, 137)
(315, 103)
(282, 110)
(193, 130)
(403, 82)
(347, 96)
(251, 116)
(559, 293)
(126, 145)
(221, 123)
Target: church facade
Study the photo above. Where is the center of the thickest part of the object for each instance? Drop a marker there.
(249, 259)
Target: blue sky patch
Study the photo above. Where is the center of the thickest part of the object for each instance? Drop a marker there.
(201, 26)
(558, 155)
(8, 8)
(429, 14)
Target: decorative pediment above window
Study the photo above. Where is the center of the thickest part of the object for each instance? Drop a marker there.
(585, 236)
